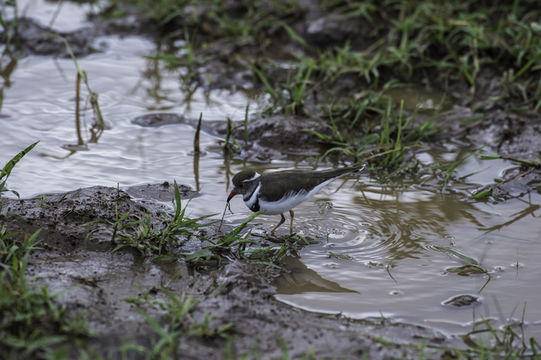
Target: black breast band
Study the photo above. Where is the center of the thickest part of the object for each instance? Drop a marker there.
(255, 206)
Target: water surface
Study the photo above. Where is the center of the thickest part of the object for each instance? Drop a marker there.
(377, 252)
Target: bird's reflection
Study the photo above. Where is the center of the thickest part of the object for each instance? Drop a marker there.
(299, 279)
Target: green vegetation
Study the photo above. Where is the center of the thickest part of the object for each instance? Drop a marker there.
(32, 323)
(6, 170)
(162, 238)
(347, 81)
(99, 126)
(9, 22)
(454, 45)
(153, 236)
(507, 341)
(178, 323)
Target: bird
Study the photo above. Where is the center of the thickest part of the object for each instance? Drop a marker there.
(280, 191)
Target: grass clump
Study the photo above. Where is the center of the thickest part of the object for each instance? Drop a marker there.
(507, 341)
(163, 238)
(243, 245)
(456, 40)
(454, 45)
(154, 236)
(177, 322)
(32, 324)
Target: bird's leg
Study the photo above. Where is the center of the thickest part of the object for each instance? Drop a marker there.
(280, 223)
(291, 224)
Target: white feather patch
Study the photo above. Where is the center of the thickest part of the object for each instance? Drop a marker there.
(252, 178)
(252, 199)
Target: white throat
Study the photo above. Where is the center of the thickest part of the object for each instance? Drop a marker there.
(253, 198)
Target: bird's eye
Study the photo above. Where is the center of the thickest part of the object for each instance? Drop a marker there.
(241, 185)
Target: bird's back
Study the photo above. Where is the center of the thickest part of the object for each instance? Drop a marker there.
(276, 185)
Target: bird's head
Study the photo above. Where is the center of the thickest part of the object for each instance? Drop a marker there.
(244, 183)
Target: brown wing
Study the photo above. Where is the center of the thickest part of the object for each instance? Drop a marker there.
(276, 185)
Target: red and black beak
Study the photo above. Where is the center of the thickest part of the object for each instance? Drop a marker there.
(233, 193)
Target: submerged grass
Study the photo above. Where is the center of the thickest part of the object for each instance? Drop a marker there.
(9, 22)
(459, 44)
(99, 126)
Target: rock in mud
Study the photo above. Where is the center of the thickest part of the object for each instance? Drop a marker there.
(40, 40)
(158, 119)
(277, 137)
(159, 192)
(461, 301)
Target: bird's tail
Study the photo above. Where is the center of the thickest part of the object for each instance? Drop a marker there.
(357, 167)
(345, 170)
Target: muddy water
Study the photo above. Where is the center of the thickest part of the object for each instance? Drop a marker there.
(62, 16)
(377, 245)
(39, 105)
(392, 267)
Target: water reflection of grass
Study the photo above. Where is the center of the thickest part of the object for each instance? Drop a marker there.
(446, 42)
(98, 126)
(348, 82)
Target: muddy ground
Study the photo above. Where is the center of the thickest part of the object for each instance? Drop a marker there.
(79, 257)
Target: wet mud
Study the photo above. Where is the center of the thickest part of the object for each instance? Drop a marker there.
(78, 256)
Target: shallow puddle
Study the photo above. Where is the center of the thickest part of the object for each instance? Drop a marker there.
(384, 250)
(378, 245)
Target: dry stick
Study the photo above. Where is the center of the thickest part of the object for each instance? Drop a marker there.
(227, 205)
(524, 173)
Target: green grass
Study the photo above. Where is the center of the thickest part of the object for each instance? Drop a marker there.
(242, 245)
(154, 237)
(178, 322)
(507, 341)
(163, 237)
(8, 168)
(9, 23)
(33, 324)
(451, 44)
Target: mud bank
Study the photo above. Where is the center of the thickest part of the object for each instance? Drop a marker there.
(232, 309)
(235, 297)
